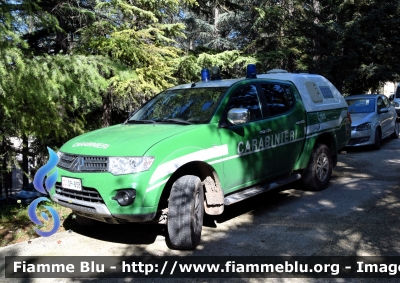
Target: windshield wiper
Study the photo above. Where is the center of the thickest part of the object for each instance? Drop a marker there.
(177, 120)
(141, 122)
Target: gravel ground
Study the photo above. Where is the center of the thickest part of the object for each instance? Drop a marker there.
(356, 216)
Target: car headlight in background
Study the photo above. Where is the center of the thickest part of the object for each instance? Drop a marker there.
(363, 127)
(397, 105)
(129, 165)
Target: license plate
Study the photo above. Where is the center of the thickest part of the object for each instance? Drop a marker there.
(71, 183)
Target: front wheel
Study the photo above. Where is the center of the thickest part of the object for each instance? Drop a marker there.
(377, 144)
(318, 173)
(396, 131)
(185, 212)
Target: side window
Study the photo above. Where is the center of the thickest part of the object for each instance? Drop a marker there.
(279, 98)
(386, 102)
(380, 104)
(246, 97)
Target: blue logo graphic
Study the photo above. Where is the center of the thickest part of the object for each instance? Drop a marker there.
(41, 173)
(38, 184)
(32, 215)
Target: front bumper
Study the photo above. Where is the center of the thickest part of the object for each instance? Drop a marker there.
(100, 212)
(96, 199)
(361, 138)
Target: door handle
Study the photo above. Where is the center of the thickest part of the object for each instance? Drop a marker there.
(265, 131)
(300, 122)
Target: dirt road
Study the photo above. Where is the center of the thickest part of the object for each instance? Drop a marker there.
(357, 215)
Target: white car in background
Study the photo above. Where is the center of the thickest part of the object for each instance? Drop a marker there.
(374, 118)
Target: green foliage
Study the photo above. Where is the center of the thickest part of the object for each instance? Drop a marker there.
(353, 43)
(51, 94)
(137, 35)
(232, 64)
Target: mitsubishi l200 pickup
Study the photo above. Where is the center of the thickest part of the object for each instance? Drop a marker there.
(198, 147)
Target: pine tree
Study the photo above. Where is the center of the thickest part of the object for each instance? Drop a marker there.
(353, 43)
(139, 34)
(44, 97)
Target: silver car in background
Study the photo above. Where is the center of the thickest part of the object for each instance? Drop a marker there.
(396, 99)
(373, 119)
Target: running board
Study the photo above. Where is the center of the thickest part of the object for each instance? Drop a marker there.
(253, 191)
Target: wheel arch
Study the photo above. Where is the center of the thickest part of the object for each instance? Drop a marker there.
(329, 141)
(316, 176)
(325, 138)
(213, 193)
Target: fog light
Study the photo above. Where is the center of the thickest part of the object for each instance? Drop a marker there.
(125, 197)
(365, 139)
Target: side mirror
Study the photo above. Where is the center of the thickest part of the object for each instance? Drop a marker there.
(238, 116)
(383, 110)
(391, 97)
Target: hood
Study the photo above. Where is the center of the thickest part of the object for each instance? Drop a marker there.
(122, 140)
(360, 118)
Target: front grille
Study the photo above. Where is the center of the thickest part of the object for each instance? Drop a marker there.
(86, 194)
(77, 163)
(66, 160)
(95, 164)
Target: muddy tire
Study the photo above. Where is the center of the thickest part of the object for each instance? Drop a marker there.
(318, 173)
(185, 213)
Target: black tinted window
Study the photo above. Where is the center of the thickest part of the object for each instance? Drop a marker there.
(279, 98)
(380, 104)
(195, 105)
(246, 97)
(386, 102)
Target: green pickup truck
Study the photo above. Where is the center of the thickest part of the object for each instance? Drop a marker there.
(198, 147)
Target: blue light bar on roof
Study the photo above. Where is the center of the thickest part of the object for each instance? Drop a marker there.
(205, 75)
(251, 71)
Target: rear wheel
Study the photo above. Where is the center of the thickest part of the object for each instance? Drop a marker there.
(185, 212)
(318, 173)
(377, 144)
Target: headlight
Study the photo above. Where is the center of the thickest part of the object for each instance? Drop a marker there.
(363, 127)
(129, 165)
(59, 154)
(396, 104)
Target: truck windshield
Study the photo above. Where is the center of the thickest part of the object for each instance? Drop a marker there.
(362, 105)
(185, 106)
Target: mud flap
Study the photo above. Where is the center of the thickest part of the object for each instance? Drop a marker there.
(214, 202)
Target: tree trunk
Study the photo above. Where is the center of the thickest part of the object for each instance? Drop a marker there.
(5, 175)
(216, 18)
(107, 107)
(25, 161)
(3, 167)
